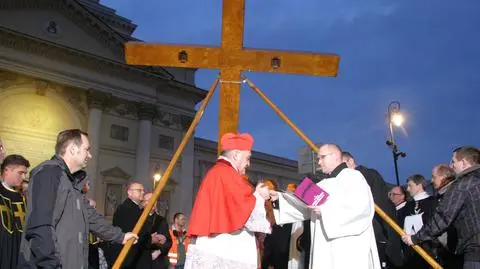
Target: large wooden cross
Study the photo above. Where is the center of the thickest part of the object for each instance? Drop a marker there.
(231, 58)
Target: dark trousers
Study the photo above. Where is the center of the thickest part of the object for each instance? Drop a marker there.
(471, 265)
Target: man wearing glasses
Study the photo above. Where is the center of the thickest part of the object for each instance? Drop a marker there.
(126, 216)
(341, 228)
(459, 209)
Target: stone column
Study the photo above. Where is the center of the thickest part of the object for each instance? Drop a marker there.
(146, 112)
(187, 178)
(96, 101)
(187, 173)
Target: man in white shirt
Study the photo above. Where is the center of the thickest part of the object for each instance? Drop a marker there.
(341, 228)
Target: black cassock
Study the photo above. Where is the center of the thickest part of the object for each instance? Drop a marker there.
(388, 241)
(160, 226)
(12, 209)
(140, 255)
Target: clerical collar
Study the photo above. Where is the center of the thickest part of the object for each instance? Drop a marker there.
(420, 196)
(401, 205)
(138, 204)
(227, 160)
(338, 169)
(8, 187)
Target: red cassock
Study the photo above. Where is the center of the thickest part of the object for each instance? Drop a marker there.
(224, 202)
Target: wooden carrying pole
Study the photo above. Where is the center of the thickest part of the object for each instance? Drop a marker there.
(379, 211)
(123, 254)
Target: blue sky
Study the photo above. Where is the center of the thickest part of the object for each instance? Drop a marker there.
(425, 54)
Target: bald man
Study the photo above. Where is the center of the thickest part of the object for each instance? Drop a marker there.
(341, 228)
(126, 216)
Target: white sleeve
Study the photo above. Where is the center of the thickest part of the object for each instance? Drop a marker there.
(349, 209)
(288, 213)
(257, 222)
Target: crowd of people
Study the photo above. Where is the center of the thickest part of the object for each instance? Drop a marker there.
(51, 223)
(237, 222)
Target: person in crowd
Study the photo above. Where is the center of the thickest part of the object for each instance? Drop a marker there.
(339, 241)
(59, 216)
(460, 208)
(12, 209)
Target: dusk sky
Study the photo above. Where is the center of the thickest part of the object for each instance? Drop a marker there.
(425, 54)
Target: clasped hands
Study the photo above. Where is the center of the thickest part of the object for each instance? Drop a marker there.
(158, 239)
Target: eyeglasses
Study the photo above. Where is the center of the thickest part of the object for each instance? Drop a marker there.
(321, 157)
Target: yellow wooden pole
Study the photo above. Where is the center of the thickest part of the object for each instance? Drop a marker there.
(379, 211)
(158, 189)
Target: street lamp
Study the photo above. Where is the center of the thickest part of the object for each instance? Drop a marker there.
(156, 179)
(395, 118)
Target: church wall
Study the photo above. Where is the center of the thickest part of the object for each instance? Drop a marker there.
(33, 112)
(71, 74)
(123, 129)
(54, 26)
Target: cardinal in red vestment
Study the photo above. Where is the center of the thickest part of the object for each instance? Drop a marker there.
(227, 211)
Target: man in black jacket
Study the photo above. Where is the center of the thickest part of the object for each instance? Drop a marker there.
(388, 242)
(59, 216)
(161, 239)
(126, 216)
(459, 208)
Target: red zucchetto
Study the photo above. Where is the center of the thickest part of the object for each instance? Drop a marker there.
(231, 141)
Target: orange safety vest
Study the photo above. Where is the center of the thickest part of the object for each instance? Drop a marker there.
(173, 252)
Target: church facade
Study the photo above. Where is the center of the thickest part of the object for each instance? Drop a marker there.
(62, 66)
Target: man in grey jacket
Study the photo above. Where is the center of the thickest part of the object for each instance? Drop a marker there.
(59, 216)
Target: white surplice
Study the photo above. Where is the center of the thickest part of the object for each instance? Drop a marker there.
(236, 250)
(296, 257)
(342, 234)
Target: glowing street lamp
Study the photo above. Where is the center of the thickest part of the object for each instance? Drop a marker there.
(395, 118)
(156, 179)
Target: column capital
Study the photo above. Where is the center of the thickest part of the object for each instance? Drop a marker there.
(97, 99)
(186, 122)
(146, 111)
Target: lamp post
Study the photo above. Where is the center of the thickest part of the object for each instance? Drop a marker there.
(395, 118)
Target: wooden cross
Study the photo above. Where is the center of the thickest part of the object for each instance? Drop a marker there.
(231, 58)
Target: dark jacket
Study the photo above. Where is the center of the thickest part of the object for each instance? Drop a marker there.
(140, 255)
(460, 208)
(160, 226)
(59, 218)
(388, 241)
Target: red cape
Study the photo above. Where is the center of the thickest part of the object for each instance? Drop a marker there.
(224, 202)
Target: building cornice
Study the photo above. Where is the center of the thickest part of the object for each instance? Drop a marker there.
(24, 42)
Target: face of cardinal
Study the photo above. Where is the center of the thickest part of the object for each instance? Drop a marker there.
(241, 160)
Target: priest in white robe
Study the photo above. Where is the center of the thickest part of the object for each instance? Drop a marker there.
(341, 228)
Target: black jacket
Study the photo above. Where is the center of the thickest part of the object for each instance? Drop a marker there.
(388, 241)
(59, 219)
(460, 208)
(160, 226)
(140, 255)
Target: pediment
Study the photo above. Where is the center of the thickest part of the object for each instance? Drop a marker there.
(116, 172)
(63, 24)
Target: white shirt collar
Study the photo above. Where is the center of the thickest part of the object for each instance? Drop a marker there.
(228, 160)
(420, 196)
(401, 205)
